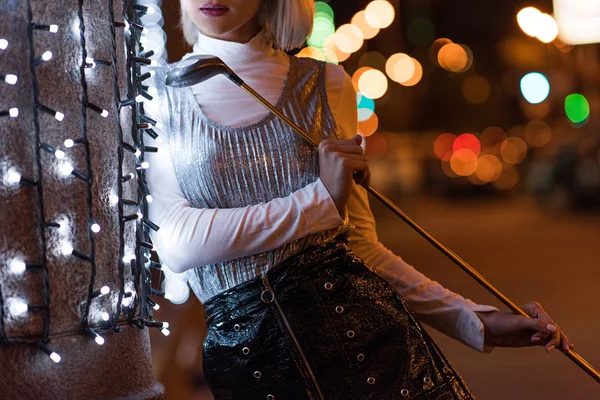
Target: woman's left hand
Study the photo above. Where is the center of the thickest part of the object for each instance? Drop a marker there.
(507, 329)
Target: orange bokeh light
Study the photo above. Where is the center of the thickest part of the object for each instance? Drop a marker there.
(513, 150)
(360, 21)
(368, 127)
(442, 147)
(463, 162)
(416, 78)
(489, 168)
(349, 38)
(357, 74)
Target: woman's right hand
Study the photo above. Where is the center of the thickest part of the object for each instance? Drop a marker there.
(342, 162)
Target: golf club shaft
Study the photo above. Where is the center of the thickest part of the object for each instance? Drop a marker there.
(576, 358)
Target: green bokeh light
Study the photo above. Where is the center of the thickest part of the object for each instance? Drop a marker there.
(577, 108)
(322, 29)
(324, 9)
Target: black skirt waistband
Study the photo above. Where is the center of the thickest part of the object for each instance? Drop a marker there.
(289, 270)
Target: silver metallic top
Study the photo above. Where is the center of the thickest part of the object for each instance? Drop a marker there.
(226, 167)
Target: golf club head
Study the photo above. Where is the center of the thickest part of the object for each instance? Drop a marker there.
(199, 68)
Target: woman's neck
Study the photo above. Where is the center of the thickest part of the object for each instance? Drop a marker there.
(243, 34)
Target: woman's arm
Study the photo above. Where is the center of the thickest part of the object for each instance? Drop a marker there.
(191, 237)
(435, 305)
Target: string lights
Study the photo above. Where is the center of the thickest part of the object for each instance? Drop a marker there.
(131, 297)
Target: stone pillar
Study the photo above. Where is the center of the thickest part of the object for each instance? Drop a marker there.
(71, 213)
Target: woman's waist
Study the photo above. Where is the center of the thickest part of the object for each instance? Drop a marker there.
(211, 280)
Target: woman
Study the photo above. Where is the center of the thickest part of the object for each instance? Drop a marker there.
(278, 240)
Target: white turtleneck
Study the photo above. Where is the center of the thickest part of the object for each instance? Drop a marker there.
(191, 237)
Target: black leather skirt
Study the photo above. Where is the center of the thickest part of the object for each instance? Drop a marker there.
(322, 325)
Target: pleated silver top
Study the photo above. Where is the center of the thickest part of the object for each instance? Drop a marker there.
(226, 167)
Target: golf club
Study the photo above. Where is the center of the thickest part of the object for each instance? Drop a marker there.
(200, 68)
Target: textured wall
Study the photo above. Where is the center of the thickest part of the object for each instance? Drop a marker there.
(122, 366)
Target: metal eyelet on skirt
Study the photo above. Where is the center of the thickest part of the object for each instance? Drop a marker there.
(339, 309)
(257, 374)
(446, 370)
(404, 392)
(427, 380)
(270, 397)
(360, 357)
(246, 350)
(237, 327)
(350, 334)
(371, 380)
(267, 296)
(328, 286)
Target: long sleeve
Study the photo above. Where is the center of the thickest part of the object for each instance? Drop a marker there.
(191, 237)
(435, 305)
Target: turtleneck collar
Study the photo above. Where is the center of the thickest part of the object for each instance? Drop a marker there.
(232, 52)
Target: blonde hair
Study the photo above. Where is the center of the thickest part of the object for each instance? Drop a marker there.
(287, 23)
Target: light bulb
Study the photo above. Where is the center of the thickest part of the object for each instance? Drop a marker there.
(140, 215)
(12, 176)
(10, 79)
(53, 28)
(145, 165)
(55, 357)
(3, 44)
(66, 169)
(165, 332)
(105, 290)
(69, 143)
(165, 325)
(168, 296)
(104, 113)
(14, 112)
(105, 316)
(138, 152)
(59, 116)
(149, 198)
(17, 267)
(59, 154)
(139, 98)
(100, 340)
(114, 199)
(66, 249)
(47, 55)
(156, 306)
(18, 307)
(95, 228)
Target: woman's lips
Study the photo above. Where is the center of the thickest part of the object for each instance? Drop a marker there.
(213, 10)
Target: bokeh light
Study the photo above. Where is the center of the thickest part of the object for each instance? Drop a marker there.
(323, 9)
(513, 150)
(535, 87)
(322, 29)
(357, 74)
(420, 32)
(373, 59)
(366, 107)
(435, 48)
(400, 67)
(547, 29)
(489, 168)
(467, 141)
(538, 133)
(332, 52)
(453, 57)
(527, 19)
(416, 78)
(349, 38)
(463, 162)
(311, 52)
(443, 146)
(491, 139)
(380, 14)
(508, 179)
(360, 21)
(476, 89)
(368, 127)
(577, 108)
(373, 84)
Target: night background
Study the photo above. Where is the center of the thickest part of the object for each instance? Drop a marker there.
(501, 166)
